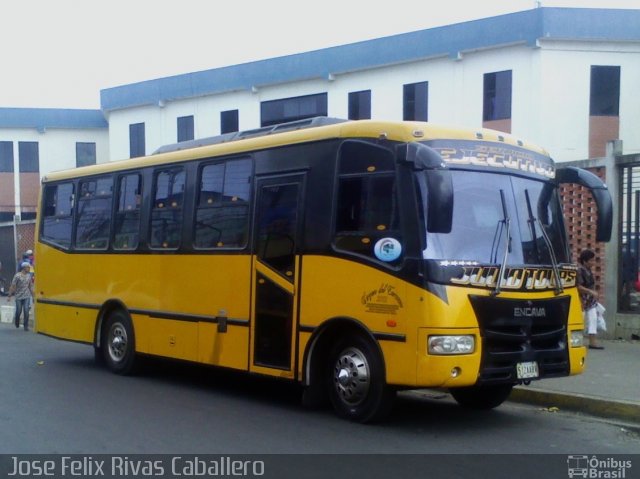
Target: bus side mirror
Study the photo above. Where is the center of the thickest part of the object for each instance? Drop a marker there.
(600, 192)
(439, 184)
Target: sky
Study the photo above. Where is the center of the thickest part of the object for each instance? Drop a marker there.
(61, 53)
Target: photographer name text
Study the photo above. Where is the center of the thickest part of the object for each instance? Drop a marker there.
(123, 466)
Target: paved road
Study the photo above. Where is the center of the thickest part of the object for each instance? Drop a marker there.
(54, 399)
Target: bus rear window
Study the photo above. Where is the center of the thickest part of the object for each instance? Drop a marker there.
(57, 214)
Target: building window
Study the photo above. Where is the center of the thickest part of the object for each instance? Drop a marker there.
(85, 154)
(6, 157)
(136, 140)
(292, 109)
(29, 156)
(497, 96)
(605, 91)
(7, 208)
(360, 105)
(185, 128)
(415, 101)
(229, 121)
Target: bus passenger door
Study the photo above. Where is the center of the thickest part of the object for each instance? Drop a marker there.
(276, 275)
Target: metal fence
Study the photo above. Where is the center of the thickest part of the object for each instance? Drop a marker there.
(16, 237)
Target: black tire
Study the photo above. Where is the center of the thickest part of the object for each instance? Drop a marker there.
(482, 397)
(118, 343)
(356, 377)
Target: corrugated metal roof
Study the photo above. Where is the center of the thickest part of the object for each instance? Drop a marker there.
(43, 118)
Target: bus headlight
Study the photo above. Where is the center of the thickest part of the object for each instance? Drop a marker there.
(577, 338)
(451, 344)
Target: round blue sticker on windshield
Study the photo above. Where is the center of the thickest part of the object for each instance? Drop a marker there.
(387, 249)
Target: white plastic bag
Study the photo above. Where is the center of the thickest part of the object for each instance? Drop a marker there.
(602, 324)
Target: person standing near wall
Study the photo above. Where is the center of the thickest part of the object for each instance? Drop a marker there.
(22, 287)
(588, 295)
(28, 257)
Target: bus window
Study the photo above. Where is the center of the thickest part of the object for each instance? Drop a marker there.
(166, 213)
(93, 218)
(276, 233)
(222, 215)
(127, 220)
(367, 208)
(57, 214)
(364, 158)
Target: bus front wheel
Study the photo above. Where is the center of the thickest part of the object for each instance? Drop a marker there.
(481, 397)
(118, 343)
(357, 385)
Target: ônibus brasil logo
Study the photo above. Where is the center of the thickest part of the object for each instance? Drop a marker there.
(597, 468)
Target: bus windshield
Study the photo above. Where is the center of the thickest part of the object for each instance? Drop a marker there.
(483, 205)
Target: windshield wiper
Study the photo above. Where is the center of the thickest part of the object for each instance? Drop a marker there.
(554, 263)
(532, 227)
(506, 221)
(495, 244)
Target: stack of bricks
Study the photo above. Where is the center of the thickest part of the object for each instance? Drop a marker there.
(581, 216)
(25, 234)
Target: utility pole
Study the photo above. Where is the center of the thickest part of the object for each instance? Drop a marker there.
(15, 240)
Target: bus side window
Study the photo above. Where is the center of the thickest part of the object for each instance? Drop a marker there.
(166, 214)
(58, 204)
(222, 213)
(127, 220)
(367, 206)
(93, 217)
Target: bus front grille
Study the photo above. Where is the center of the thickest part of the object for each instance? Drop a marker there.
(518, 331)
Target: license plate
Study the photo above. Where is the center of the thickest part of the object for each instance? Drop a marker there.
(527, 370)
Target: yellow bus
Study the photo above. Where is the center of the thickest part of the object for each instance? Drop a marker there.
(357, 258)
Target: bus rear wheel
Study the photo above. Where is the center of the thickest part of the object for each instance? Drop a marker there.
(357, 386)
(118, 343)
(482, 397)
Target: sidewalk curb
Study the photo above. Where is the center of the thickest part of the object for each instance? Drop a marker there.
(595, 406)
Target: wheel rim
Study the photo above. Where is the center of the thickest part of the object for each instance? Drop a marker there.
(117, 345)
(351, 376)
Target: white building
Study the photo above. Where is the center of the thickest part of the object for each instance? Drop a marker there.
(562, 78)
(35, 141)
